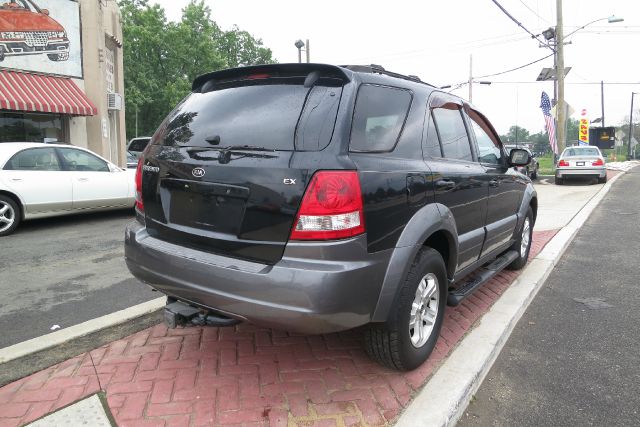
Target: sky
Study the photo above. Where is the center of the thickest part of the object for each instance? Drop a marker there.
(436, 39)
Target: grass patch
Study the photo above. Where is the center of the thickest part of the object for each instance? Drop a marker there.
(546, 164)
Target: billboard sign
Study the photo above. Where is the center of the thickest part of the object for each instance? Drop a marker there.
(604, 137)
(41, 36)
(583, 132)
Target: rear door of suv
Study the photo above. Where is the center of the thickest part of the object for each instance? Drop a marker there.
(226, 171)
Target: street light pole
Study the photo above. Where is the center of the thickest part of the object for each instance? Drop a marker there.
(630, 127)
(560, 106)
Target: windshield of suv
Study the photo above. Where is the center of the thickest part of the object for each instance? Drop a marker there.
(269, 116)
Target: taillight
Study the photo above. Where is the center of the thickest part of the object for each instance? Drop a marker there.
(563, 163)
(598, 162)
(331, 207)
(139, 203)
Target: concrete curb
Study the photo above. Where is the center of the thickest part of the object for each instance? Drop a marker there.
(90, 326)
(446, 395)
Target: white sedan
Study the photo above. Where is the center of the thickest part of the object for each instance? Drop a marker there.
(38, 180)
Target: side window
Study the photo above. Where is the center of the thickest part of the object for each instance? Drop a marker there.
(432, 143)
(138, 145)
(453, 134)
(378, 119)
(34, 159)
(78, 160)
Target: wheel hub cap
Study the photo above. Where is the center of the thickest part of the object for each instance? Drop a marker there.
(424, 310)
(526, 236)
(7, 216)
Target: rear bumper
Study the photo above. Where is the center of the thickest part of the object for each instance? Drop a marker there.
(564, 172)
(315, 287)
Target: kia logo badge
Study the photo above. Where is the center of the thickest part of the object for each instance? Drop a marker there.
(198, 172)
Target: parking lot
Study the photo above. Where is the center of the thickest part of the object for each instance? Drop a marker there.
(64, 271)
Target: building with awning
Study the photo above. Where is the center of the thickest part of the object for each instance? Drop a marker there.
(61, 74)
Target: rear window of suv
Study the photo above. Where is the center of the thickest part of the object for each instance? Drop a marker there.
(272, 115)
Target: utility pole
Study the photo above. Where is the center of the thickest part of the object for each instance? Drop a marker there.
(308, 50)
(470, 78)
(561, 105)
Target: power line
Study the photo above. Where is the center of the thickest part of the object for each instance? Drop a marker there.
(514, 69)
(568, 83)
(520, 25)
(533, 11)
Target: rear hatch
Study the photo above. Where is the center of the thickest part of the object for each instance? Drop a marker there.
(226, 171)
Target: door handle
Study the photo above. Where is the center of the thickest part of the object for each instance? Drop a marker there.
(16, 179)
(445, 184)
(83, 179)
(494, 183)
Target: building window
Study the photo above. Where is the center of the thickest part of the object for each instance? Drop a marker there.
(30, 127)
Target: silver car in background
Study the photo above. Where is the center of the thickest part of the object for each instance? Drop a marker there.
(585, 161)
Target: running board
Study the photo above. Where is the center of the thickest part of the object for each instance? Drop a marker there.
(481, 277)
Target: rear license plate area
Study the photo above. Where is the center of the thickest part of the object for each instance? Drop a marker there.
(579, 163)
(205, 206)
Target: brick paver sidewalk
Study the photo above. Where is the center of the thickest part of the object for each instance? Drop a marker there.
(242, 376)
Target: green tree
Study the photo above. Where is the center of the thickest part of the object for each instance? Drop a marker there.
(162, 58)
(515, 134)
(573, 130)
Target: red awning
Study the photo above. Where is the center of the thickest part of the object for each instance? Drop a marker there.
(45, 94)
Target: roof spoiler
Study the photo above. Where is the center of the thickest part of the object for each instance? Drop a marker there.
(206, 82)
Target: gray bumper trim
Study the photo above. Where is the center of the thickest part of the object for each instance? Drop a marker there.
(316, 287)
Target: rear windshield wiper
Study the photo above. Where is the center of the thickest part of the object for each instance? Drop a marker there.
(240, 147)
(246, 147)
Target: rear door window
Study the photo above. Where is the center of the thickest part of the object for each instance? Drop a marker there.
(34, 159)
(379, 117)
(269, 115)
(453, 133)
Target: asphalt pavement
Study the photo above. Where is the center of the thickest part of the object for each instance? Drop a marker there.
(573, 358)
(60, 272)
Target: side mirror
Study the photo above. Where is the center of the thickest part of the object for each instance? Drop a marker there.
(44, 11)
(114, 168)
(519, 157)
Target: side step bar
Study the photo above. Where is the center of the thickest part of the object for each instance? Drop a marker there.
(481, 277)
(178, 313)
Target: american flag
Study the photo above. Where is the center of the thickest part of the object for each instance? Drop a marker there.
(545, 104)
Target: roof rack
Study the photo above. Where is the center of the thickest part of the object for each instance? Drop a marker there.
(379, 69)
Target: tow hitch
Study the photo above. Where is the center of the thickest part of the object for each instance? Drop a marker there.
(177, 313)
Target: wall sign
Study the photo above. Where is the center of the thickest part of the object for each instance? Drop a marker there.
(41, 36)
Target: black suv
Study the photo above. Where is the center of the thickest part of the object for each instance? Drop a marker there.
(316, 198)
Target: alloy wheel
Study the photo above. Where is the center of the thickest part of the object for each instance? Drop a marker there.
(7, 216)
(526, 236)
(424, 310)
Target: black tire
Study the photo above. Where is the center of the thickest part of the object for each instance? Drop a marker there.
(390, 343)
(534, 175)
(523, 250)
(10, 215)
(63, 56)
(602, 180)
(558, 181)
